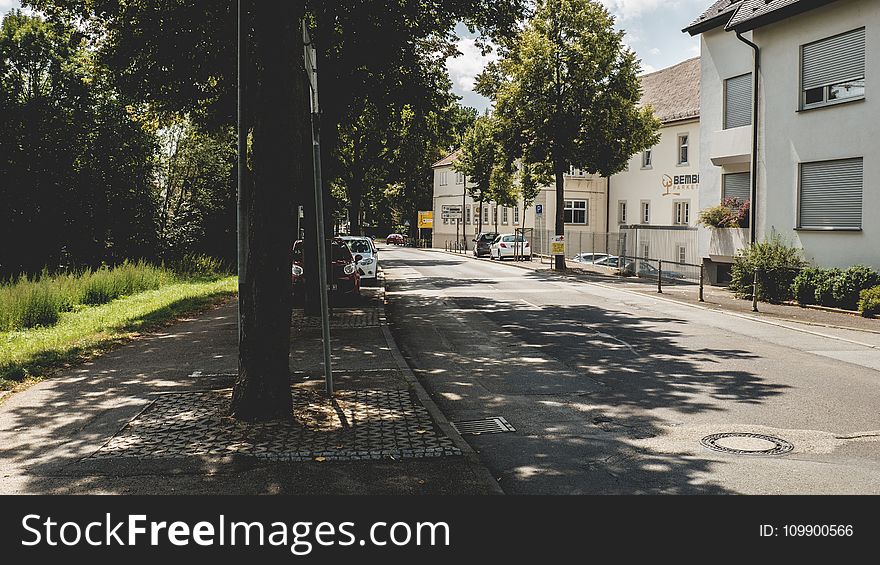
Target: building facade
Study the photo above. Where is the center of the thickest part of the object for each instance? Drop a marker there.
(816, 182)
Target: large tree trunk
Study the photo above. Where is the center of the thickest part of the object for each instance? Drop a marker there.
(559, 170)
(262, 390)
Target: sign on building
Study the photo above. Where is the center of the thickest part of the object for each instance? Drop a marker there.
(451, 212)
(557, 245)
(426, 220)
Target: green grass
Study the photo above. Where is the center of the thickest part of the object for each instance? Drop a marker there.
(26, 355)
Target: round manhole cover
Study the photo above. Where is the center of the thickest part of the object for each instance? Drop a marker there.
(747, 444)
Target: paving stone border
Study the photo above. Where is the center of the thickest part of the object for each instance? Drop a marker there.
(357, 425)
(339, 319)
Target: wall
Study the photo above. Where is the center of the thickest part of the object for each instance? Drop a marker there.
(845, 130)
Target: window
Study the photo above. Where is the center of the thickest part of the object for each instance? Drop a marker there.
(830, 195)
(485, 213)
(833, 70)
(621, 212)
(646, 249)
(467, 214)
(646, 212)
(575, 212)
(736, 185)
(443, 179)
(681, 212)
(573, 172)
(504, 215)
(494, 214)
(681, 253)
(516, 215)
(647, 155)
(738, 101)
(683, 149)
(459, 178)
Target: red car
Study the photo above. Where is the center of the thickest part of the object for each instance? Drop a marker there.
(344, 280)
(395, 239)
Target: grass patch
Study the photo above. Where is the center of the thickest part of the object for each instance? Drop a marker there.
(27, 355)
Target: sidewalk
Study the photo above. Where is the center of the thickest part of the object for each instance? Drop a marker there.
(151, 418)
(718, 298)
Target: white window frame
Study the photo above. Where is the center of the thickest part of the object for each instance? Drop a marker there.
(645, 212)
(621, 211)
(459, 177)
(485, 214)
(504, 215)
(646, 250)
(516, 215)
(677, 207)
(798, 212)
(826, 88)
(648, 158)
(681, 253)
(570, 206)
(443, 178)
(467, 214)
(686, 146)
(750, 102)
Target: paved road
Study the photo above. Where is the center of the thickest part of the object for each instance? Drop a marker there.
(611, 391)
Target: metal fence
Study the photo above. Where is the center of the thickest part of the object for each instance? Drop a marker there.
(577, 242)
(675, 246)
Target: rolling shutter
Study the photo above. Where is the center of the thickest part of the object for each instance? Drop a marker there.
(738, 101)
(737, 185)
(831, 194)
(833, 60)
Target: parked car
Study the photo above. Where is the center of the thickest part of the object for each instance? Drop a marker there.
(510, 245)
(344, 279)
(366, 255)
(483, 243)
(645, 269)
(395, 239)
(588, 258)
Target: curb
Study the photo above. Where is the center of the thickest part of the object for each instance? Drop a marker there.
(437, 415)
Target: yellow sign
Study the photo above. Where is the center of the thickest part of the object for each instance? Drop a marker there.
(557, 245)
(426, 220)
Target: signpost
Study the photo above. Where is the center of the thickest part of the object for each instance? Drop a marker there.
(557, 245)
(426, 222)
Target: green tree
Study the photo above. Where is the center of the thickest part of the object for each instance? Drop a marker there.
(481, 160)
(566, 93)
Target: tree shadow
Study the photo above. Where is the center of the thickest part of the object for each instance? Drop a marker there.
(583, 385)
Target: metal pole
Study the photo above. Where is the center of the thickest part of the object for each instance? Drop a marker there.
(660, 277)
(755, 292)
(701, 284)
(242, 219)
(311, 70)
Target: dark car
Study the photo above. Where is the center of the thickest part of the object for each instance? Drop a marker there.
(344, 280)
(483, 243)
(395, 239)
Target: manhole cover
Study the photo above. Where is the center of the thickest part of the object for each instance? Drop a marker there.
(747, 444)
(486, 426)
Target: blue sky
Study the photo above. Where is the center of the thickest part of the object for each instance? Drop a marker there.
(653, 31)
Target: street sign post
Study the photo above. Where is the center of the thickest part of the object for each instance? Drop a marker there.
(451, 212)
(539, 209)
(426, 220)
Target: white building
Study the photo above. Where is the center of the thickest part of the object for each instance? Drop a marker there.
(661, 186)
(585, 209)
(815, 123)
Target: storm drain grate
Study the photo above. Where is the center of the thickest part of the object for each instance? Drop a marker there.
(746, 444)
(497, 425)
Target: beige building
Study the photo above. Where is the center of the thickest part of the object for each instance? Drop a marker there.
(584, 199)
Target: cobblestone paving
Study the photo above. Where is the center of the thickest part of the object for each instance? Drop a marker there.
(351, 318)
(361, 424)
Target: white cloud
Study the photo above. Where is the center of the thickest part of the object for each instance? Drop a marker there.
(6, 5)
(646, 68)
(464, 68)
(629, 9)
(654, 51)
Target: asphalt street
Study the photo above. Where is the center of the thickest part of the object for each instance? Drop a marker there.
(611, 391)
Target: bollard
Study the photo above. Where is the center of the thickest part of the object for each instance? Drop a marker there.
(701, 284)
(755, 292)
(660, 277)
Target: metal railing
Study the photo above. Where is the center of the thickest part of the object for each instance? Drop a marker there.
(455, 246)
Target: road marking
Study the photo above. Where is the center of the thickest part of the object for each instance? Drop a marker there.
(530, 304)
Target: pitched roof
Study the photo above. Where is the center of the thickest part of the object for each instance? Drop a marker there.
(718, 14)
(757, 13)
(674, 92)
(448, 160)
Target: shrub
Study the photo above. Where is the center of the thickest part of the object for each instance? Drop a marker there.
(198, 266)
(778, 264)
(824, 293)
(805, 284)
(869, 301)
(848, 285)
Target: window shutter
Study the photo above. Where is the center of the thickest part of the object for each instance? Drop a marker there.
(833, 60)
(738, 101)
(738, 185)
(831, 194)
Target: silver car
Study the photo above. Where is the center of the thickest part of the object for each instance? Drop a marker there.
(366, 255)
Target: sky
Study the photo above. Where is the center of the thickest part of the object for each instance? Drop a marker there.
(653, 31)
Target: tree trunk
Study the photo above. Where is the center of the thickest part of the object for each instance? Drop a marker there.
(262, 390)
(559, 170)
(480, 230)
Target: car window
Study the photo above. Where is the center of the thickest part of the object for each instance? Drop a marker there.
(339, 252)
(359, 245)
